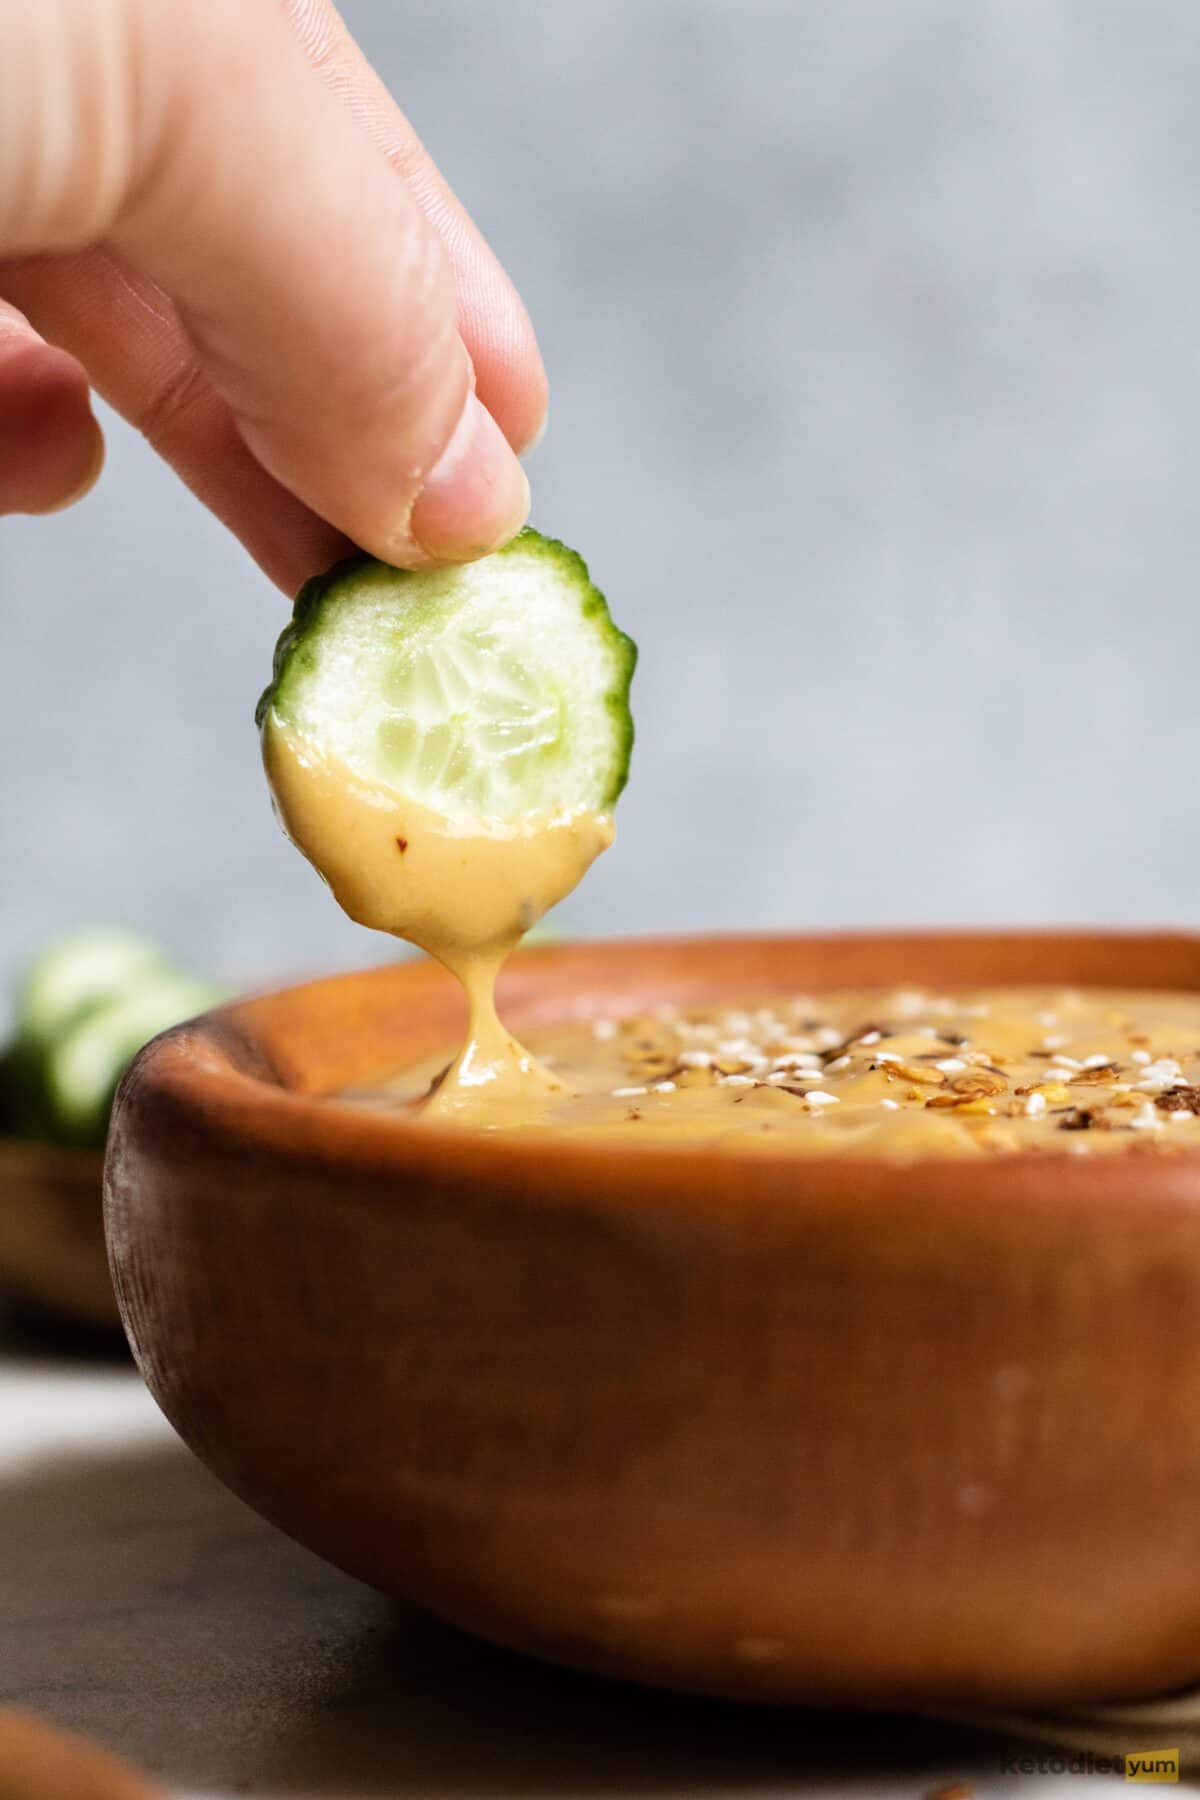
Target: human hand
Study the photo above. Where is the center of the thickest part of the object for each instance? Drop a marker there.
(213, 212)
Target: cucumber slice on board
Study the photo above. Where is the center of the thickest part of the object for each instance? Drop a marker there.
(78, 972)
(82, 1068)
(493, 693)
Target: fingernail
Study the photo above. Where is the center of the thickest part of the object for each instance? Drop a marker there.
(476, 496)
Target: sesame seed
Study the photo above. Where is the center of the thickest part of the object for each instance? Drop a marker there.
(804, 1049)
(1158, 1075)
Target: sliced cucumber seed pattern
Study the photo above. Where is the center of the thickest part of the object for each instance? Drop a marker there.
(471, 725)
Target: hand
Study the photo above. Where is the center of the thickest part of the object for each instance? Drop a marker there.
(212, 211)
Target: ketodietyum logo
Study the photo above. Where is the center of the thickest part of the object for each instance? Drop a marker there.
(1152, 1765)
(1134, 1765)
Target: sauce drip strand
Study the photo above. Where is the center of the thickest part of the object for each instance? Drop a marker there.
(465, 896)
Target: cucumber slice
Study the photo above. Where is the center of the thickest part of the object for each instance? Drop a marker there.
(83, 1067)
(489, 694)
(76, 973)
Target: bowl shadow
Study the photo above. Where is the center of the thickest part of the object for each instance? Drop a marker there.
(144, 1604)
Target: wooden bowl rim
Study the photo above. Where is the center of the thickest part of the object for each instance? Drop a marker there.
(194, 1071)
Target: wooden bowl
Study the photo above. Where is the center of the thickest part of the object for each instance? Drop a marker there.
(827, 1430)
(51, 1232)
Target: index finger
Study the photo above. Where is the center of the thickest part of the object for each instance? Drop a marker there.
(492, 320)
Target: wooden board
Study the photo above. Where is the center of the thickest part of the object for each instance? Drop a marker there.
(51, 1231)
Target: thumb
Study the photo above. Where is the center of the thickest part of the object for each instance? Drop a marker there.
(199, 140)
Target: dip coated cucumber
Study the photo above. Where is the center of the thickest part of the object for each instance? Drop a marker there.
(493, 693)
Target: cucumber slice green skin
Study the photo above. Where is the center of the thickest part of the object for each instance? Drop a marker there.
(15, 1101)
(86, 1005)
(77, 972)
(84, 1066)
(65, 981)
(299, 652)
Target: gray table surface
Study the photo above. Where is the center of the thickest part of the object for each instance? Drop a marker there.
(142, 1603)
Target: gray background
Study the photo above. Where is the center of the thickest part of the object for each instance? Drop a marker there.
(873, 334)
